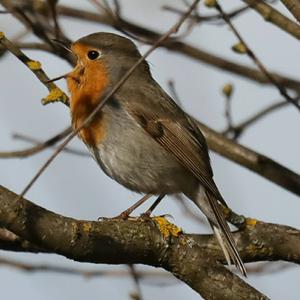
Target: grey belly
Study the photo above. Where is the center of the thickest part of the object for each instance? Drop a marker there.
(132, 158)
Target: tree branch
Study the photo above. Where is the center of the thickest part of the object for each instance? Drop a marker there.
(252, 160)
(32, 268)
(239, 129)
(188, 257)
(293, 6)
(273, 16)
(147, 241)
(281, 88)
(38, 147)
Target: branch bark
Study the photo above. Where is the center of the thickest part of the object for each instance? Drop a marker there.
(252, 160)
(273, 16)
(194, 261)
(293, 6)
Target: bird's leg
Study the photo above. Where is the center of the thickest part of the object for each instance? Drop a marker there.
(125, 214)
(149, 211)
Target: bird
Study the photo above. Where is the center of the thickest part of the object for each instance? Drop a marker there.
(141, 138)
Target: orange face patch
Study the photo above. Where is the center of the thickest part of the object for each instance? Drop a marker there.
(86, 84)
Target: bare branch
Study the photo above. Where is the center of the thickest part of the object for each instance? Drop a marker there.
(32, 268)
(49, 143)
(210, 18)
(239, 129)
(273, 16)
(252, 160)
(293, 6)
(52, 4)
(38, 148)
(137, 295)
(281, 88)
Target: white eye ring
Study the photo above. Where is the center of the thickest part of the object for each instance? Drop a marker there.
(93, 54)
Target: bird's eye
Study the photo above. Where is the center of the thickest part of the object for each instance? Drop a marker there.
(93, 54)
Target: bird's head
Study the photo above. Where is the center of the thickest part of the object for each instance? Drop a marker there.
(106, 55)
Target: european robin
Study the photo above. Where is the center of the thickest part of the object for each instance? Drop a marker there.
(141, 138)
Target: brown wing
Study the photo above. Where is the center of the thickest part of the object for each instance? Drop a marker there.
(179, 138)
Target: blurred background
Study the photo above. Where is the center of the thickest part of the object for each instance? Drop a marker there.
(75, 186)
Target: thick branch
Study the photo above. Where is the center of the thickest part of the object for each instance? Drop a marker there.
(131, 241)
(252, 160)
(273, 16)
(294, 7)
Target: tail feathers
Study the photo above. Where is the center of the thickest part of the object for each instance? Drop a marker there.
(224, 235)
(222, 244)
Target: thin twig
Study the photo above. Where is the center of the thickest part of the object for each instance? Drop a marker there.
(38, 148)
(38, 142)
(136, 279)
(263, 268)
(259, 64)
(239, 129)
(52, 4)
(210, 18)
(34, 46)
(79, 272)
(173, 92)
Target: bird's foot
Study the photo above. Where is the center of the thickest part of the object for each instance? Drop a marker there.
(126, 213)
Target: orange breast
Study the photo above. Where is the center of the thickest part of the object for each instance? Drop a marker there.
(87, 84)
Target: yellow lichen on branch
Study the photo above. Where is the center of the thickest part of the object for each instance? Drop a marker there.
(87, 226)
(2, 35)
(167, 228)
(251, 222)
(34, 65)
(55, 95)
(239, 48)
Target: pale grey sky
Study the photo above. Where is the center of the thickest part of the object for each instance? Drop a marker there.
(67, 182)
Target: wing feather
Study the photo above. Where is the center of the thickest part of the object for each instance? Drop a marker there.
(178, 139)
